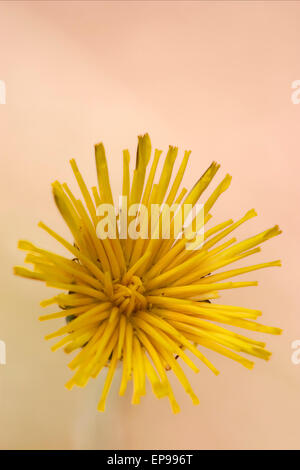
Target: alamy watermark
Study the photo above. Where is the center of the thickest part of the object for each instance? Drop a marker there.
(2, 92)
(295, 96)
(2, 352)
(295, 357)
(159, 221)
(2, 343)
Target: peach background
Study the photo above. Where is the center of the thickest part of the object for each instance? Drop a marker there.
(214, 77)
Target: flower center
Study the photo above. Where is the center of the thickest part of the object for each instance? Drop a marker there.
(129, 297)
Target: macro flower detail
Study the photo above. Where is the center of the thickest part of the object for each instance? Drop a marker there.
(147, 303)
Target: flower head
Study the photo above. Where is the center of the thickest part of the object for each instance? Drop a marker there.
(145, 301)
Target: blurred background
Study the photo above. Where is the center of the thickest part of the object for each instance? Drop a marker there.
(213, 77)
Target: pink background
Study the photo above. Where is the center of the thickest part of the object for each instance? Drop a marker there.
(214, 77)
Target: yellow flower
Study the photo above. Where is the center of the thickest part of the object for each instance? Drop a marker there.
(144, 302)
